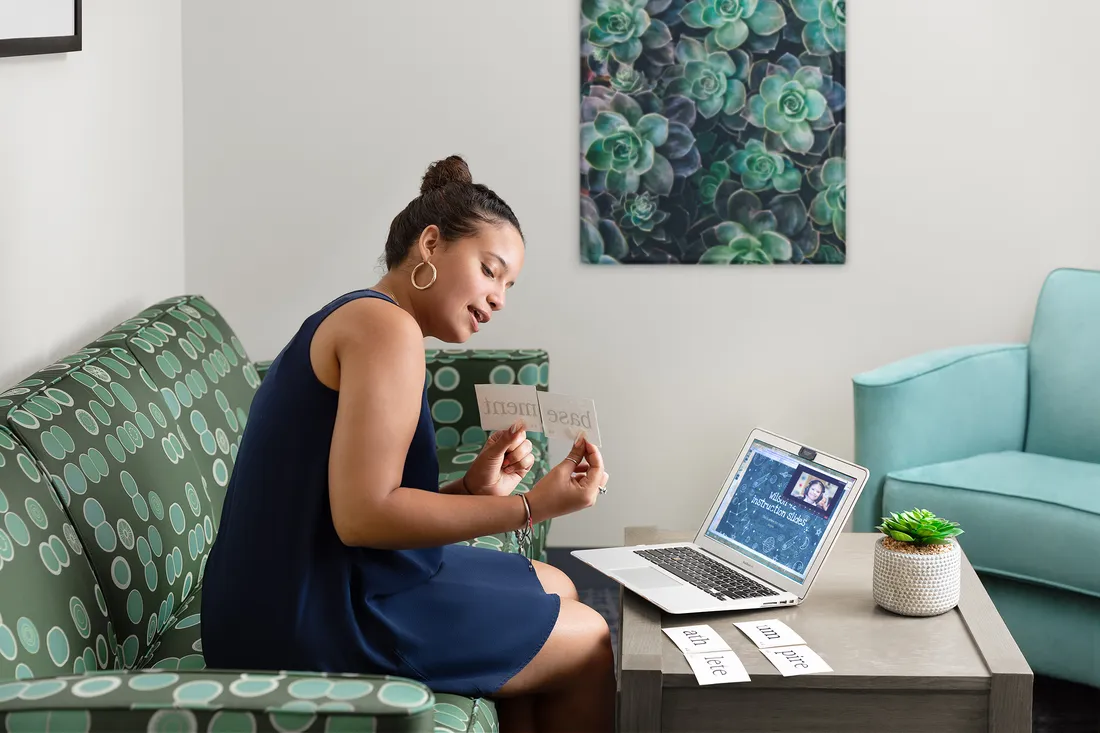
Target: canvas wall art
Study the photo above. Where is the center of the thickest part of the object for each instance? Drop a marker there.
(712, 132)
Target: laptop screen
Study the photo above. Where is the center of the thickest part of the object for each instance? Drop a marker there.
(778, 509)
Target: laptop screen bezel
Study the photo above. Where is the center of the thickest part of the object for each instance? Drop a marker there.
(840, 518)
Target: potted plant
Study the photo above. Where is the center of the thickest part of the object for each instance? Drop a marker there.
(917, 564)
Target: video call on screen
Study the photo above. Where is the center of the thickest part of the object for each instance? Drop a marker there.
(779, 509)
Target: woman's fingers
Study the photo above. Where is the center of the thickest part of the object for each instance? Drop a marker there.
(518, 454)
(594, 474)
(521, 466)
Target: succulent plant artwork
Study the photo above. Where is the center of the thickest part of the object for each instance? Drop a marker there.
(713, 132)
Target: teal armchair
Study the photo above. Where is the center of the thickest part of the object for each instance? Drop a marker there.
(1005, 440)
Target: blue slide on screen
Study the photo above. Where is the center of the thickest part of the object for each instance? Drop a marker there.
(778, 509)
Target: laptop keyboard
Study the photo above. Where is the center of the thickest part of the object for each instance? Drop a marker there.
(706, 574)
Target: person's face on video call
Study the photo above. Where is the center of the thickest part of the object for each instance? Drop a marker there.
(813, 493)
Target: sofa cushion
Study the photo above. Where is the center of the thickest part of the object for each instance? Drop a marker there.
(123, 467)
(1064, 392)
(179, 647)
(204, 375)
(464, 714)
(1015, 509)
(53, 618)
(216, 700)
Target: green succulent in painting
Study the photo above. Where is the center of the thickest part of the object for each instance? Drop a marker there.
(749, 236)
(639, 212)
(623, 142)
(730, 21)
(629, 80)
(761, 169)
(715, 81)
(788, 103)
(710, 179)
(617, 25)
(601, 240)
(826, 25)
(830, 205)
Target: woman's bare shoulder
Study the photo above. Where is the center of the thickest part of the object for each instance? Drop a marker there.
(362, 332)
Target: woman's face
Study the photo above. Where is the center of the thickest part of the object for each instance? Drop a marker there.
(474, 274)
(814, 492)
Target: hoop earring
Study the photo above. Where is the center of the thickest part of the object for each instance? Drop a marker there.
(430, 282)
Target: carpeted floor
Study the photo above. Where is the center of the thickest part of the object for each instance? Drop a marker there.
(1058, 707)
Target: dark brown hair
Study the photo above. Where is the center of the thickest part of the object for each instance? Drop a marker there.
(453, 202)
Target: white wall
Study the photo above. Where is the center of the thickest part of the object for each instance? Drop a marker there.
(972, 154)
(91, 182)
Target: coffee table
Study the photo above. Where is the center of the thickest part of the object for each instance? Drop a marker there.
(960, 671)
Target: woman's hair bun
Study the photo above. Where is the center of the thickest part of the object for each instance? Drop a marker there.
(452, 169)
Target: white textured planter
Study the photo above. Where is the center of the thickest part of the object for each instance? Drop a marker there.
(916, 585)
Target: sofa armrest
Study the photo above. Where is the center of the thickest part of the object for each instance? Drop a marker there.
(939, 406)
(262, 367)
(159, 700)
(452, 375)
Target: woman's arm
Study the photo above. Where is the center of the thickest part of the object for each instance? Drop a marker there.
(380, 352)
(458, 486)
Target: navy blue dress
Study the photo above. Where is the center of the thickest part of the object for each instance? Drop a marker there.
(282, 592)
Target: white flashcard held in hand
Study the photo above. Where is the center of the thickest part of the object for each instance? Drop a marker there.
(567, 417)
(769, 633)
(795, 660)
(693, 639)
(501, 405)
(716, 668)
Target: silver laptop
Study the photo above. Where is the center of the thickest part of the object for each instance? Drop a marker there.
(764, 539)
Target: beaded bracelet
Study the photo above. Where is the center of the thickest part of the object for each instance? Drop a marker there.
(523, 535)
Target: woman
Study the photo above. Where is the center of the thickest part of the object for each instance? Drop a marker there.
(334, 548)
(814, 490)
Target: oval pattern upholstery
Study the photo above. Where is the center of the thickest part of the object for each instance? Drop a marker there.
(204, 375)
(216, 701)
(122, 466)
(45, 375)
(104, 425)
(53, 617)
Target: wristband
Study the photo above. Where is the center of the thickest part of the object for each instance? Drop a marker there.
(523, 535)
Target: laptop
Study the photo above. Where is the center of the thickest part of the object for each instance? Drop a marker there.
(763, 541)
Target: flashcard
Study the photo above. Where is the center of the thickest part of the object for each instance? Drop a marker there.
(795, 660)
(770, 633)
(692, 639)
(567, 417)
(501, 405)
(715, 668)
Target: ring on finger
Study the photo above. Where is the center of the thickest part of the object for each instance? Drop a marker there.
(575, 460)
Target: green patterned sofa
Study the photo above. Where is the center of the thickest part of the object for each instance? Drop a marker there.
(113, 466)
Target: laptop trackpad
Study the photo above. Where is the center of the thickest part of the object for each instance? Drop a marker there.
(644, 578)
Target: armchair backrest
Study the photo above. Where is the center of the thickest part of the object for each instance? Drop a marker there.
(1064, 368)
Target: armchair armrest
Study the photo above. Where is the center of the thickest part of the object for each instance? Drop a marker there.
(262, 367)
(939, 406)
(159, 700)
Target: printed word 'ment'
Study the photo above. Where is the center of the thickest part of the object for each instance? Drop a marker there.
(501, 407)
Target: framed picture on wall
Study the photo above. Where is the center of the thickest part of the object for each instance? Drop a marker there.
(30, 27)
(713, 132)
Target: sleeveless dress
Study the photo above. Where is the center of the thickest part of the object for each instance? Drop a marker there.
(282, 592)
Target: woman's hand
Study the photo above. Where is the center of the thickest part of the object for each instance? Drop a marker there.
(571, 485)
(502, 463)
